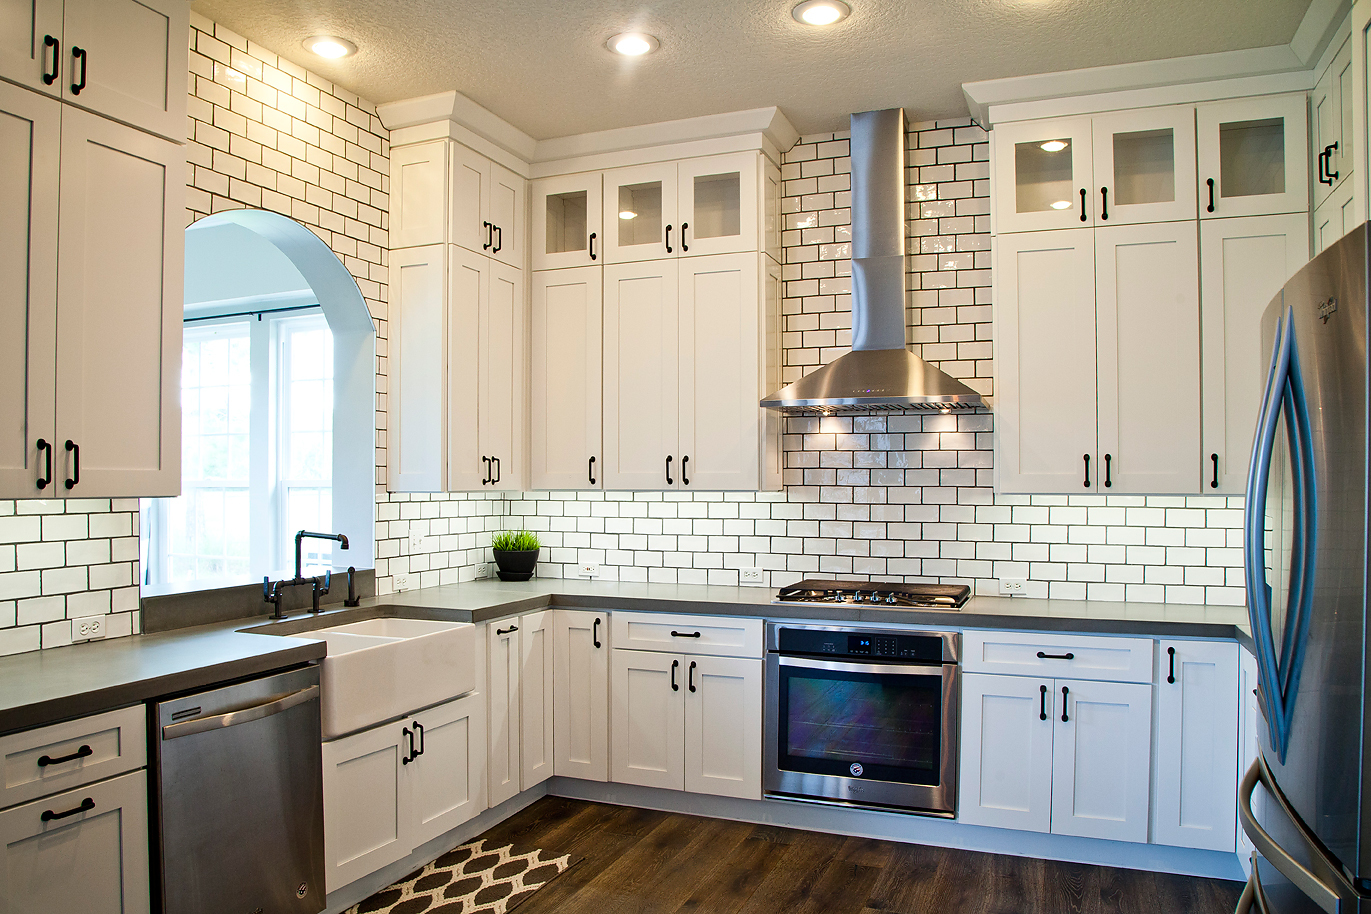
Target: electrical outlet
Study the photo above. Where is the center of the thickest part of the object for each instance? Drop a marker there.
(482, 570)
(416, 542)
(1013, 586)
(589, 570)
(401, 583)
(754, 577)
(88, 628)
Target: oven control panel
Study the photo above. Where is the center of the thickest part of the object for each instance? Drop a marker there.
(863, 645)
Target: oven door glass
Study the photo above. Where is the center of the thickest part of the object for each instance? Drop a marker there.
(860, 720)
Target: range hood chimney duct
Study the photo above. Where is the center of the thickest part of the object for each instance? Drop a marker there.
(879, 373)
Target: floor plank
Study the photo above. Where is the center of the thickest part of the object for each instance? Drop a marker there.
(732, 884)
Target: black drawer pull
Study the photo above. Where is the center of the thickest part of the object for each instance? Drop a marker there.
(676, 634)
(674, 686)
(1107, 479)
(495, 463)
(690, 676)
(1087, 470)
(86, 806)
(1210, 207)
(684, 248)
(419, 731)
(499, 240)
(1065, 693)
(409, 756)
(668, 239)
(669, 480)
(486, 461)
(1042, 702)
(592, 245)
(1104, 203)
(84, 752)
(685, 461)
(75, 450)
(79, 54)
(506, 631)
(595, 632)
(50, 42)
(43, 445)
(591, 471)
(1171, 676)
(1067, 656)
(1084, 217)
(490, 235)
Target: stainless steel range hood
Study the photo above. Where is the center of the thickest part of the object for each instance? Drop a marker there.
(879, 373)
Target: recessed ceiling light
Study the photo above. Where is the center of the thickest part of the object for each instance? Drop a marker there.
(1061, 204)
(632, 44)
(821, 12)
(1054, 145)
(329, 46)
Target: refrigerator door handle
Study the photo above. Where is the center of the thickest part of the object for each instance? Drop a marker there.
(1253, 897)
(1327, 897)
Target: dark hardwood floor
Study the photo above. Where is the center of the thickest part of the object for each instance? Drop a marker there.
(637, 861)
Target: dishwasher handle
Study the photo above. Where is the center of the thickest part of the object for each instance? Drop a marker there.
(241, 716)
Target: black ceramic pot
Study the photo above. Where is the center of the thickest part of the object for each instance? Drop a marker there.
(515, 566)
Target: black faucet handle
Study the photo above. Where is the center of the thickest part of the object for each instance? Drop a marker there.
(352, 598)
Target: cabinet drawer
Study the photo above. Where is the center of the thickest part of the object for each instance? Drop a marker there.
(35, 763)
(723, 636)
(1058, 656)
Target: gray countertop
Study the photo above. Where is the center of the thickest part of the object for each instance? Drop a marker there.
(62, 683)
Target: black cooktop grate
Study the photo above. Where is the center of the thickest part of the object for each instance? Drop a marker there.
(947, 596)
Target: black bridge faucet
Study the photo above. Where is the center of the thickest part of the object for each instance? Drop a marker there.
(272, 592)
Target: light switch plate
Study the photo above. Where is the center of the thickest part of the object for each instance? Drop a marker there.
(416, 542)
(1013, 586)
(589, 570)
(87, 628)
(752, 577)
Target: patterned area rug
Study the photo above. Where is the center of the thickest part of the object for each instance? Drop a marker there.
(467, 880)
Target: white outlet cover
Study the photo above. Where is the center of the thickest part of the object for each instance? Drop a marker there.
(1013, 586)
(401, 583)
(482, 570)
(589, 570)
(87, 628)
(752, 577)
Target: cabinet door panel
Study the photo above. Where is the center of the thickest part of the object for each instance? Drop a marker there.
(119, 308)
(418, 195)
(1243, 265)
(716, 204)
(1006, 752)
(29, 144)
(468, 300)
(506, 212)
(503, 726)
(1334, 217)
(1249, 746)
(135, 62)
(24, 57)
(1045, 314)
(639, 204)
(535, 690)
(1042, 169)
(447, 779)
(647, 727)
(568, 228)
(469, 185)
(567, 389)
(581, 694)
(1148, 313)
(1144, 165)
(723, 726)
(418, 318)
(719, 381)
(366, 804)
(1255, 152)
(501, 422)
(1102, 754)
(640, 371)
(1194, 801)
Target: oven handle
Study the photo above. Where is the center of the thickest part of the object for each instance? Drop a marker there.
(921, 669)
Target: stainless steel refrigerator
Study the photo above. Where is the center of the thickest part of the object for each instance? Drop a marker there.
(1306, 803)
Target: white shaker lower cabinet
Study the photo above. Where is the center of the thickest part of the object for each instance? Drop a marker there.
(1006, 752)
(648, 719)
(502, 671)
(1194, 796)
(1101, 759)
(89, 854)
(1250, 722)
(723, 726)
(391, 788)
(535, 705)
(580, 669)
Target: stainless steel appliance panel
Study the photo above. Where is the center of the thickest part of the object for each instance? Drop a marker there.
(241, 823)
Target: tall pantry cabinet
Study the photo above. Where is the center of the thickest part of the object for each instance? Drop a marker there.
(91, 249)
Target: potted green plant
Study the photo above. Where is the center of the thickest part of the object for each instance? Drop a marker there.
(516, 554)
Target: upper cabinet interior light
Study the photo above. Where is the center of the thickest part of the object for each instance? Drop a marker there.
(632, 44)
(329, 46)
(821, 12)
(1054, 145)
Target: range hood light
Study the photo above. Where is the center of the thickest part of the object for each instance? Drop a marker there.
(1054, 145)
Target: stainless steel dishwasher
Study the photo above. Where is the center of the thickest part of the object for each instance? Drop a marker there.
(241, 804)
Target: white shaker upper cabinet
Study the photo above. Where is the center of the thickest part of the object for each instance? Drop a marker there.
(1330, 126)
(1243, 265)
(566, 396)
(31, 49)
(718, 204)
(1043, 175)
(418, 194)
(1253, 156)
(29, 131)
(1144, 165)
(641, 213)
(568, 226)
(418, 404)
(487, 206)
(119, 310)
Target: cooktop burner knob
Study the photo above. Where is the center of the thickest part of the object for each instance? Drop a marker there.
(890, 598)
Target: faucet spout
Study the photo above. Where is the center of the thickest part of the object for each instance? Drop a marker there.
(337, 537)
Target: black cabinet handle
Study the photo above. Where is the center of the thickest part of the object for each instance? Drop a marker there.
(1322, 174)
(595, 633)
(1214, 483)
(495, 462)
(674, 686)
(1042, 702)
(1104, 203)
(86, 806)
(1171, 676)
(499, 240)
(676, 634)
(50, 42)
(1210, 182)
(84, 752)
(409, 756)
(591, 471)
(684, 246)
(1087, 470)
(419, 730)
(592, 245)
(668, 239)
(1067, 656)
(690, 674)
(75, 450)
(1065, 693)
(490, 235)
(685, 480)
(669, 480)
(1084, 217)
(44, 446)
(1328, 160)
(79, 54)
(506, 631)
(486, 461)
(1108, 483)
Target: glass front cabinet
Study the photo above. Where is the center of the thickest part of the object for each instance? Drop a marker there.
(1253, 157)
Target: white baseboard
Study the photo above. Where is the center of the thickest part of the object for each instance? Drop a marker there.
(912, 829)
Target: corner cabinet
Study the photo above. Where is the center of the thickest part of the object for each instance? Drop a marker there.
(92, 273)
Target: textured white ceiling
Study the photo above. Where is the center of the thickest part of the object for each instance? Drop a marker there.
(543, 66)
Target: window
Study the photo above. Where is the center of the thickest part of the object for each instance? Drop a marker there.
(257, 451)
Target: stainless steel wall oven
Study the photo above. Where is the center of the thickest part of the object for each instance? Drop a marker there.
(862, 717)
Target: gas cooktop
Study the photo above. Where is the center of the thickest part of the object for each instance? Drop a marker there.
(877, 593)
